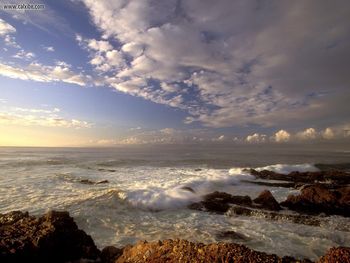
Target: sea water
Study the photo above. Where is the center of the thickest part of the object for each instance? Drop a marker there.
(147, 193)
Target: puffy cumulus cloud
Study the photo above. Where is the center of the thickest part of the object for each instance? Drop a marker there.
(256, 138)
(238, 63)
(6, 28)
(308, 134)
(328, 134)
(282, 136)
(49, 49)
(38, 72)
(39, 117)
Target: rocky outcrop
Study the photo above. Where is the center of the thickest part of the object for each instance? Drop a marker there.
(219, 202)
(267, 201)
(316, 199)
(185, 251)
(329, 176)
(54, 237)
(336, 255)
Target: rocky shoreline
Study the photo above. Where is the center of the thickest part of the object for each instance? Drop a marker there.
(55, 237)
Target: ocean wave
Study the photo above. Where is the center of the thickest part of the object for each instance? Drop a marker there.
(288, 168)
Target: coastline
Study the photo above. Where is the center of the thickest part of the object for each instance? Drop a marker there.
(55, 237)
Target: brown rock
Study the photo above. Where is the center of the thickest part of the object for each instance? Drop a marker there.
(336, 255)
(316, 199)
(186, 252)
(267, 201)
(53, 237)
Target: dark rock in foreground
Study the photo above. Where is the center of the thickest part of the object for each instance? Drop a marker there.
(54, 237)
(185, 251)
(336, 255)
(316, 199)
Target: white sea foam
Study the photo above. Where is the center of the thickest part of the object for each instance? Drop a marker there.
(287, 168)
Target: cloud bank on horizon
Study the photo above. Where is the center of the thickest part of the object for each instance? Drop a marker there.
(271, 65)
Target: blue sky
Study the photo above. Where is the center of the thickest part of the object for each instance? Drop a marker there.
(104, 73)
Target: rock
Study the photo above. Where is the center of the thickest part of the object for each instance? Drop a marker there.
(87, 181)
(197, 169)
(102, 182)
(232, 235)
(297, 219)
(286, 185)
(187, 188)
(53, 237)
(219, 202)
(316, 199)
(110, 254)
(267, 201)
(331, 176)
(185, 251)
(336, 255)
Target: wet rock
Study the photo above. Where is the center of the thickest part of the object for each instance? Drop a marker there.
(197, 169)
(106, 170)
(333, 167)
(219, 202)
(316, 199)
(336, 255)
(286, 185)
(331, 176)
(267, 201)
(232, 235)
(87, 181)
(53, 237)
(110, 254)
(185, 251)
(297, 219)
(187, 188)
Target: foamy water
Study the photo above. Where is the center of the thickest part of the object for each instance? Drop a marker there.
(147, 197)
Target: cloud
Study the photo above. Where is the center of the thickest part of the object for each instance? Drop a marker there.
(282, 136)
(38, 72)
(239, 64)
(24, 55)
(49, 49)
(39, 117)
(308, 134)
(328, 134)
(6, 28)
(256, 138)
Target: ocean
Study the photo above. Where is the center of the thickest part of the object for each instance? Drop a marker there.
(145, 198)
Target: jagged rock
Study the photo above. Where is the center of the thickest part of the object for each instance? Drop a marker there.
(316, 199)
(110, 254)
(54, 237)
(297, 219)
(267, 201)
(185, 251)
(336, 255)
(332, 176)
(219, 202)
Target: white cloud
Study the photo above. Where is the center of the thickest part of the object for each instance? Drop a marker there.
(282, 136)
(38, 72)
(256, 138)
(24, 55)
(308, 134)
(39, 117)
(6, 28)
(328, 134)
(49, 49)
(231, 56)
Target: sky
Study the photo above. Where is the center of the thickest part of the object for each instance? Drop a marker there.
(126, 72)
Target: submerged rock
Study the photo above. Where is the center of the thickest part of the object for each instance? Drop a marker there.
(88, 181)
(267, 201)
(336, 255)
(316, 199)
(187, 188)
(54, 237)
(185, 251)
